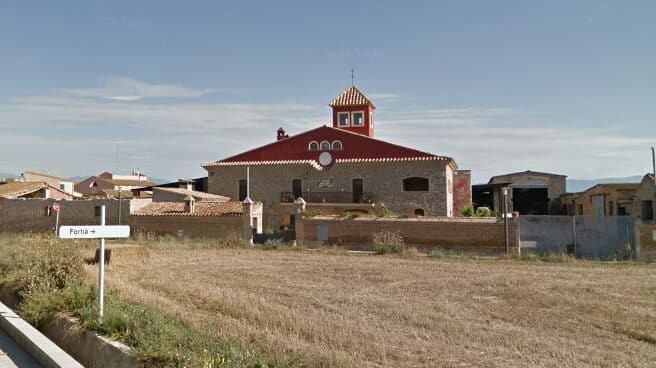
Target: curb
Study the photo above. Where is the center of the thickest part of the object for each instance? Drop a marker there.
(34, 342)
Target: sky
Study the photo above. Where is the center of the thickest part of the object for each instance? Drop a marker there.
(500, 86)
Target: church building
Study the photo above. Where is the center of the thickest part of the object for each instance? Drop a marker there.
(342, 166)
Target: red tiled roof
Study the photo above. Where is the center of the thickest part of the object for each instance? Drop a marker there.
(200, 209)
(18, 189)
(352, 96)
(355, 148)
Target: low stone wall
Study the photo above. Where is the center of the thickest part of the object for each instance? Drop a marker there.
(188, 226)
(481, 235)
(647, 241)
(36, 215)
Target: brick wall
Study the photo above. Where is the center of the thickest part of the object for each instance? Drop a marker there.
(462, 193)
(191, 226)
(482, 235)
(33, 215)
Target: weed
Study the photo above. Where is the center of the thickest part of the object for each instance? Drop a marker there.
(388, 242)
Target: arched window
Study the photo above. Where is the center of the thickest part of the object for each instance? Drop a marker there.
(93, 184)
(313, 146)
(337, 145)
(420, 212)
(415, 184)
(325, 146)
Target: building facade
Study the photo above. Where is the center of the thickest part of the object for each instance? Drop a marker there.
(342, 164)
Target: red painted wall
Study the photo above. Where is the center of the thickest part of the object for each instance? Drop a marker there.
(367, 129)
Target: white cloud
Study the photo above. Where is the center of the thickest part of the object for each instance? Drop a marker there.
(128, 89)
(73, 134)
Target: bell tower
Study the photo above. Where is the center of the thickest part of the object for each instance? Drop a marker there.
(353, 111)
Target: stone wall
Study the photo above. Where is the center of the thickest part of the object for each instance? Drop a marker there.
(188, 226)
(481, 235)
(647, 233)
(36, 215)
(383, 179)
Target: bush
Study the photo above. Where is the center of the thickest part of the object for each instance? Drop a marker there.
(484, 212)
(443, 253)
(468, 211)
(275, 244)
(388, 242)
(233, 240)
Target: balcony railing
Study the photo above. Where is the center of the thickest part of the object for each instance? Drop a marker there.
(328, 197)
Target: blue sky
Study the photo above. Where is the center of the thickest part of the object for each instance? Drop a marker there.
(501, 86)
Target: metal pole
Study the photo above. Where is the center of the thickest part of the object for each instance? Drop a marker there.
(101, 269)
(505, 220)
(574, 232)
(119, 205)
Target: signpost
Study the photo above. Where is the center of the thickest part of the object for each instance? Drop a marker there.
(55, 207)
(101, 232)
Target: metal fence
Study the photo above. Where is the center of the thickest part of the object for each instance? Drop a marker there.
(590, 237)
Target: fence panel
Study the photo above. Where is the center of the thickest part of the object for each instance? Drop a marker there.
(590, 237)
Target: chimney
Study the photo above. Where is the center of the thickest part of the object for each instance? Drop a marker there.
(281, 134)
(190, 204)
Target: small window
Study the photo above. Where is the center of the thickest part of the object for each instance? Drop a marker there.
(93, 184)
(343, 119)
(420, 212)
(358, 118)
(325, 146)
(243, 184)
(647, 211)
(337, 145)
(415, 184)
(371, 119)
(313, 146)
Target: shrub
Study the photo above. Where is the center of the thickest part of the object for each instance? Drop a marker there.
(233, 240)
(388, 242)
(443, 253)
(468, 211)
(275, 244)
(484, 212)
(388, 212)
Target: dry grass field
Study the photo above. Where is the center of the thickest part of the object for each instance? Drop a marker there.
(336, 309)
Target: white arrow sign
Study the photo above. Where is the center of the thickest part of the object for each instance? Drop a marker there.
(94, 232)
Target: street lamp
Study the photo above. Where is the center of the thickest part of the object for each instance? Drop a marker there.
(505, 220)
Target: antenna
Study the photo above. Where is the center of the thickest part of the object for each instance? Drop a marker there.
(352, 76)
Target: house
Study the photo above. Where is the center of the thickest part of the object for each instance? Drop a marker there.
(108, 185)
(162, 194)
(54, 181)
(644, 201)
(197, 184)
(340, 167)
(616, 199)
(17, 189)
(529, 193)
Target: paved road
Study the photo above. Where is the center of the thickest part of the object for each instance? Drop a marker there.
(12, 356)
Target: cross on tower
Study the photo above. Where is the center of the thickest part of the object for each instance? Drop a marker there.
(352, 76)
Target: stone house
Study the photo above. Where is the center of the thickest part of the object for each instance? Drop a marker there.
(644, 203)
(43, 190)
(342, 167)
(616, 199)
(108, 185)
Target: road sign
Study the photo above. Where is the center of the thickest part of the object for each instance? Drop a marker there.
(94, 232)
(55, 207)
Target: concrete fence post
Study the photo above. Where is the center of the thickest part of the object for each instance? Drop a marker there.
(298, 220)
(247, 224)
